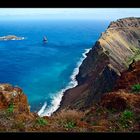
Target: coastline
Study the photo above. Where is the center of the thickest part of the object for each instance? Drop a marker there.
(56, 101)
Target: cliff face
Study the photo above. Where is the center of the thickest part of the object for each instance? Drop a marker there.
(112, 54)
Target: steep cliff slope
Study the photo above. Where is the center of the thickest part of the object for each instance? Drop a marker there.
(116, 48)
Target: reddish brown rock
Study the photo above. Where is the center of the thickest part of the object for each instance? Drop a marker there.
(129, 77)
(13, 95)
(120, 100)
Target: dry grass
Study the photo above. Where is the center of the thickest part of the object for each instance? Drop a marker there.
(69, 115)
(67, 120)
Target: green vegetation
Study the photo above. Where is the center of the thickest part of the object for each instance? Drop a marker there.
(135, 57)
(136, 88)
(41, 121)
(94, 123)
(68, 118)
(10, 108)
(127, 114)
(126, 118)
(70, 124)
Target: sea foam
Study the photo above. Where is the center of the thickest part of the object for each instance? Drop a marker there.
(56, 100)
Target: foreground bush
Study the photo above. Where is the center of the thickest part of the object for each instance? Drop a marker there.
(41, 121)
(136, 88)
(126, 118)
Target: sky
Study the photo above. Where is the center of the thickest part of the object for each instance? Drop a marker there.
(68, 13)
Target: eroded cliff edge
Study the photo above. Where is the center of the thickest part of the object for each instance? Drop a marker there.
(112, 54)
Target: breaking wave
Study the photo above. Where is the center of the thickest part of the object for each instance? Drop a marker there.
(56, 100)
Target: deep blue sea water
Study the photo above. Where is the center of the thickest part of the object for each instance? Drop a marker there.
(42, 70)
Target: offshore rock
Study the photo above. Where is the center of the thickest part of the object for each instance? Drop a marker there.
(11, 37)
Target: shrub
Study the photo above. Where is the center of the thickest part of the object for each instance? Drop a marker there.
(10, 108)
(68, 118)
(127, 114)
(70, 124)
(94, 123)
(69, 115)
(126, 118)
(136, 88)
(41, 121)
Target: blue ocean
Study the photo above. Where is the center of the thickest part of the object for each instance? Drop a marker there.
(42, 70)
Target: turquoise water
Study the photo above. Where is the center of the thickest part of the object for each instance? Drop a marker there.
(42, 70)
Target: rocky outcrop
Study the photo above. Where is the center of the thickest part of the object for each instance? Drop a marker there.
(15, 112)
(112, 54)
(120, 100)
(129, 77)
(10, 95)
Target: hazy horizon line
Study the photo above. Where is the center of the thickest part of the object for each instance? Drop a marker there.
(68, 13)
